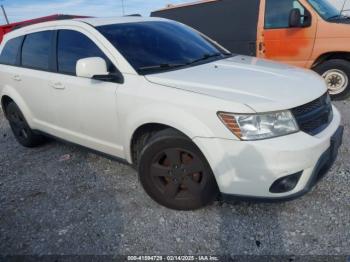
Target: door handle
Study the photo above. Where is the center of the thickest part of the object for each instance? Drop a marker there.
(17, 78)
(58, 85)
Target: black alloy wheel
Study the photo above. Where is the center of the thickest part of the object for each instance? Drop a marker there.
(175, 173)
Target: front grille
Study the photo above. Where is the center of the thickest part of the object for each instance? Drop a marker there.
(315, 116)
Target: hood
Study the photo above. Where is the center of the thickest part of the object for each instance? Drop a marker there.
(260, 84)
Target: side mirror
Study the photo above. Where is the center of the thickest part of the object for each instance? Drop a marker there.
(96, 68)
(88, 67)
(295, 18)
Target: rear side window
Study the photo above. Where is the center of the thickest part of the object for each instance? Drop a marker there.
(36, 50)
(73, 46)
(10, 51)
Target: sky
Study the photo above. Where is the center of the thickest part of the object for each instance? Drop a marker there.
(18, 10)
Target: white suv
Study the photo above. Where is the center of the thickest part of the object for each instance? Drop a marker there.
(194, 119)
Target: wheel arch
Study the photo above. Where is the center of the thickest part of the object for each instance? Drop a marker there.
(10, 94)
(189, 121)
(5, 100)
(145, 130)
(141, 136)
(330, 56)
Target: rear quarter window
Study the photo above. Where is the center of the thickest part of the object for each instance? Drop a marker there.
(36, 50)
(10, 51)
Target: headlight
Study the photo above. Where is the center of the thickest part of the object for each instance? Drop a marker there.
(260, 126)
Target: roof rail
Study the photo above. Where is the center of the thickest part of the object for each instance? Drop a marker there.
(45, 19)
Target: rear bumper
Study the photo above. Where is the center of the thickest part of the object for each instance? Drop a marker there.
(247, 169)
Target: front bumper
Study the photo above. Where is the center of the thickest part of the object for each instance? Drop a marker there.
(323, 165)
(247, 169)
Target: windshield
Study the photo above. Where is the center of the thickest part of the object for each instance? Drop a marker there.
(158, 46)
(325, 8)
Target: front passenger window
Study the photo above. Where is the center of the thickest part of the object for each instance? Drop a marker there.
(278, 11)
(73, 46)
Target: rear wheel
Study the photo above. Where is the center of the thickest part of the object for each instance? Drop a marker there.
(336, 72)
(20, 128)
(175, 173)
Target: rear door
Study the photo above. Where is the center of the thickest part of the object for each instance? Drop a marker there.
(9, 60)
(278, 41)
(32, 77)
(85, 109)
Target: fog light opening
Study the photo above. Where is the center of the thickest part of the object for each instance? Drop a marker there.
(285, 184)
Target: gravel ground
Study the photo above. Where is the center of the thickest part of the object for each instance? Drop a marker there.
(86, 204)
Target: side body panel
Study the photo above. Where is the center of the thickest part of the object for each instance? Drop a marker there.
(11, 88)
(193, 114)
(331, 38)
(84, 112)
(232, 24)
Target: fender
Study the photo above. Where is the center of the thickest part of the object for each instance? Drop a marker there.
(177, 118)
(15, 96)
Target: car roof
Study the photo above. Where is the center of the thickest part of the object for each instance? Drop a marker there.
(117, 20)
(68, 22)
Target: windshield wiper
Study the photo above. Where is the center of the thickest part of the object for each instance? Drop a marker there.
(205, 57)
(337, 17)
(171, 66)
(160, 66)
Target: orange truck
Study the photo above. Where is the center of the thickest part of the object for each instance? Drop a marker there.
(313, 34)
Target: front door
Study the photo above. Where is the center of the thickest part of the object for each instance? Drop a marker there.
(85, 109)
(279, 41)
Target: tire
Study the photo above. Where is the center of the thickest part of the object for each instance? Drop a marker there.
(20, 128)
(337, 75)
(174, 172)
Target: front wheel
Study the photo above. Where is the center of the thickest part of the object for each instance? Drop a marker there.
(336, 72)
(175, 173)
